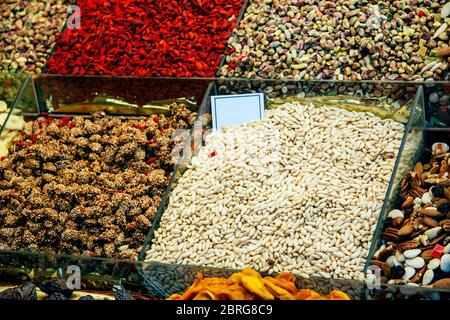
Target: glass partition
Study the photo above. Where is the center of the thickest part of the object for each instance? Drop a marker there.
(61, 96)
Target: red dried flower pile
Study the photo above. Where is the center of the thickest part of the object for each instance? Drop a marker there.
(173, 38)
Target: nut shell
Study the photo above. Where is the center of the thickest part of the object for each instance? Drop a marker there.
(442, 284)
(407, 245)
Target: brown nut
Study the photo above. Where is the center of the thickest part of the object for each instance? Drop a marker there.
(447, 193)
(445, 224)
(407, 245)
(441, 202)
(419, 275)
(438, 239)
(408, 203)
(418, 168)
(442, 284)
(427, 255)
(430, 222)
(390, 234)
(429, 212)
(383, 266)
(385, 253)
(418, 223)
(407, 229)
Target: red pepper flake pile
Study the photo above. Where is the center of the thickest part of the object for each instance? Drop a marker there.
(176, 38)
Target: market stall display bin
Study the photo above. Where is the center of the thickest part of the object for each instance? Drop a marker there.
(46, 94)
(29, 32)
(28, 244)
(16, 92)
(174, 39)
(415, 258)
(340, 40)
(172, 276)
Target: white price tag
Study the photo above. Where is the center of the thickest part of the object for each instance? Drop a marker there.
(236, 109)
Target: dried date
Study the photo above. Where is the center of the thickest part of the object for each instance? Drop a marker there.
(58, 286)
(57, 296)
(27, 291)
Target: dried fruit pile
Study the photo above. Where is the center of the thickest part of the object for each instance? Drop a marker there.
(27, 32)
(255, 195)
(147, 38)
(416, 249)
(250, 285)
(57, 289)
(354, 40)
(87, 186)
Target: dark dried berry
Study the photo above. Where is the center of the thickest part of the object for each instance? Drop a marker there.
(57, 296)
(87, 297)
(150, 135)
(122, 293)
(149, 153)
(55, 286)
(27, 291)
(438, 191)
(444, 208)
(397, 272)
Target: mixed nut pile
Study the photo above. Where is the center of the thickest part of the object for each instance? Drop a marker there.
(343, 39)
(28, 32)
(87, 186)
(255, 195)
(416, 249)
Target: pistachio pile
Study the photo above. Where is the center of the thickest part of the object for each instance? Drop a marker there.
(416, 236)
(28, 32)
(342, 40)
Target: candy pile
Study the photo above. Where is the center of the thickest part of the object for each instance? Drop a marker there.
(87, 186)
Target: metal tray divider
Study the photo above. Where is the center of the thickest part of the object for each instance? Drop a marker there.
(392, 190)
(16, 100)
(245, 5)
(63, 30)
(164, 202)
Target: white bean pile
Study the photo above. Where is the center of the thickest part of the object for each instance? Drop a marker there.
(300, 191)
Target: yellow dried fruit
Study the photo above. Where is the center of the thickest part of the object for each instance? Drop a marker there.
(249, 285)
(256, 286)
(337, 295)
(276, 291)
(306, 294)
